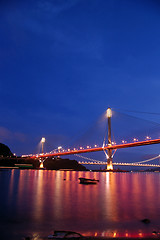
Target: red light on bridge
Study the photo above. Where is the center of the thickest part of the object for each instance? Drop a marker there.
(114, 234)
(140, 234)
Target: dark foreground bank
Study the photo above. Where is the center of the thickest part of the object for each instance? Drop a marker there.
(98, 238)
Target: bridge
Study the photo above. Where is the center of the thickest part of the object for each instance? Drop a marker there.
(106, 148)
(119, 164)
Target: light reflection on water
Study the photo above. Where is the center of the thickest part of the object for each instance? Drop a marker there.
(41, 201)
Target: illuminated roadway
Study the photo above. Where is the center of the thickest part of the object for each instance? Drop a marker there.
(97, 149)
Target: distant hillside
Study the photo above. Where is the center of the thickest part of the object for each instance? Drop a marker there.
(59, 163)
(5, 151)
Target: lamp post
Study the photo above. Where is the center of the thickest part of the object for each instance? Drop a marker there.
(43, 141)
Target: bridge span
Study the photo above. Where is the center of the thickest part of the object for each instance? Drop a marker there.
(107, 148)
(119, 164)
(97, 149)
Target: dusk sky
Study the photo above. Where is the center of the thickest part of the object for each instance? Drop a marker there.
(63, 62)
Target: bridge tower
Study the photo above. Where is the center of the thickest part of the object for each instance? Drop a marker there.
(109, 151)
(43, 141)
(42, 160)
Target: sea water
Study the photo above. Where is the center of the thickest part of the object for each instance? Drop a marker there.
(37, 202)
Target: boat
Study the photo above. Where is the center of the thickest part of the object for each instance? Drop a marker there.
(65, 234)
(88, 181)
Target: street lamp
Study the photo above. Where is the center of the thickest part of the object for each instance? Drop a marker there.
(109, 113)
(43, 141)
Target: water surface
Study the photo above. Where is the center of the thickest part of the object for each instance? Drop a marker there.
(36, 202)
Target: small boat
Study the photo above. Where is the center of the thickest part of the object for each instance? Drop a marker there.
(88, 181)
(65, 234)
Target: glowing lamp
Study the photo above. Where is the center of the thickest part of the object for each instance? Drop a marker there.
(43, 140)
(109, 113)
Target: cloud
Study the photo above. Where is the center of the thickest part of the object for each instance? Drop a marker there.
(45, 20)
(6, 134)
(57, 6)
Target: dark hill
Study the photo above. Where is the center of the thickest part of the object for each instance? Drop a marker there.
(59, 163)
(5, 151)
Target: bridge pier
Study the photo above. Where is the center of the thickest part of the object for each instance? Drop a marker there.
(109, 160)
(41, 164)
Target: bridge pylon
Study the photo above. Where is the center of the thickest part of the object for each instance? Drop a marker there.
(42, 161)
(109, 151)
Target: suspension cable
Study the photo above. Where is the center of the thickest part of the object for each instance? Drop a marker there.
(80, 156)
(148, 160)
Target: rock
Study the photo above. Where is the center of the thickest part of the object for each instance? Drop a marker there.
(5, 151)
(145, 220)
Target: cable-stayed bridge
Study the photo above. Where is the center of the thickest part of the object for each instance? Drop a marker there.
(108, 148)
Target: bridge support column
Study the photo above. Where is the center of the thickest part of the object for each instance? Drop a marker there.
(43, 141)
(41, 164)
(109, 158)
(42, 161)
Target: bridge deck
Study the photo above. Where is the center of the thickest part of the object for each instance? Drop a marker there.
(119, 164)
(97, 149)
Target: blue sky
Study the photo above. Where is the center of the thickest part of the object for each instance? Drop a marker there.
(63, 62)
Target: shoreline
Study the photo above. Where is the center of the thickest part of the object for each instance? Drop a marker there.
(110, 171)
